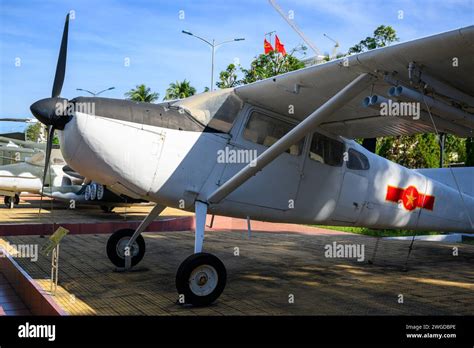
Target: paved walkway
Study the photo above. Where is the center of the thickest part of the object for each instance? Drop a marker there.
(269, 271)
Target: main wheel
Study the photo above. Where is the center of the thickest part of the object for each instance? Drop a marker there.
(16, 199)
(9, 202)
(116, 247)
(201, 278)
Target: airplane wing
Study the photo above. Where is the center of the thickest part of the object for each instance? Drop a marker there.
(442, 70)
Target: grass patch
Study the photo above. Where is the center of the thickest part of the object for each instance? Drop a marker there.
(377, 232)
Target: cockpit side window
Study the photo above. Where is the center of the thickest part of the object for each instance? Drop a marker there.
(266, 130)
(357, 160)
(326, 150)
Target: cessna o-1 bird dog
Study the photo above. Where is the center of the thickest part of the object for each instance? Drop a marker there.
(308, 171)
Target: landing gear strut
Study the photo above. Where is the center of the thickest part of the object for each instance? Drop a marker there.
(10, 202)
(125, 248)
(201, 278)
(117, 250)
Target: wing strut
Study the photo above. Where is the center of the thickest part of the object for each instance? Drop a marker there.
(308, 125)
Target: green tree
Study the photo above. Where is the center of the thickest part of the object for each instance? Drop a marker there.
(33, 131)
(269, 65)
(469, 152)
(411, 151)
(141, 93)
(455, 150)
(228, 77)
(179, 90)
(383, 36)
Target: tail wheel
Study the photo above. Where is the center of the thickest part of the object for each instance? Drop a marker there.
(116, 247)
(201, 279)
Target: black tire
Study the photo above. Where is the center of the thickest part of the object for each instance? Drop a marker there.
(183, 279)
(16, 199)
(106, 208)
(120, 236)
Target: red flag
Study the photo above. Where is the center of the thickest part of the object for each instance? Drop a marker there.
(279, 47)
(267, 46)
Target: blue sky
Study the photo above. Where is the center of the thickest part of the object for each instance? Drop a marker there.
(106, 32)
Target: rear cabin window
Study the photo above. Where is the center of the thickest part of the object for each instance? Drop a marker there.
(357, 160)
(266, 130)
(326, 150)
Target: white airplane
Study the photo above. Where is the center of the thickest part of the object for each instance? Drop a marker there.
(26, 176)
(300, 124)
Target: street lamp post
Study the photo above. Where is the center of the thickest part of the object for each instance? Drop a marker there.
(96, 93)
(213, 47)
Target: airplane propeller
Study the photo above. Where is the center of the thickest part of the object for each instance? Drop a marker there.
(52, 111)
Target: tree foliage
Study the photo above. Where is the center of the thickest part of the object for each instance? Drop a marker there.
(179, 90)
(228, 77)
(383, 36)
(141, 93)
(421, 150)
(262, 67)
(470, 152)
(33, 132)
(269, 65)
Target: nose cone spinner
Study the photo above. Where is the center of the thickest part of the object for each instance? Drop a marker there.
(51, 112)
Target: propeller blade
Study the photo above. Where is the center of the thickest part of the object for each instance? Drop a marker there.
(61, 65)
(49, 146)
(10, 119)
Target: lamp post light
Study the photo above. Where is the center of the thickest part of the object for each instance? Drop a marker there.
(213, 45)
(95, 94)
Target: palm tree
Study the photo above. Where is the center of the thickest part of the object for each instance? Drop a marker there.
(179, 90)
(141, 93)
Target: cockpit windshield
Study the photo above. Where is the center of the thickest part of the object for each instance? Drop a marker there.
(217, 110)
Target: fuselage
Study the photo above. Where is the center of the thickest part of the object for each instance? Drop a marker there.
(158, 153)
(27, 176)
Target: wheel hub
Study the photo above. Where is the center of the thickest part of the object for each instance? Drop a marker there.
(122, 243)
(203, 280)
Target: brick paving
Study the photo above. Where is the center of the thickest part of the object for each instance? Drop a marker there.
(270, 268)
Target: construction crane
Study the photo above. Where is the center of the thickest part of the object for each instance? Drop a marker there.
(319, 56)
(334, 49)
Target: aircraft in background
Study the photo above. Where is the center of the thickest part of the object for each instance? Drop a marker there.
(63, 183)
(300, 124)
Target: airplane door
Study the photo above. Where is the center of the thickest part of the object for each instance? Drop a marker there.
(354, 190)
(277, 184)
(273, 187)
(351, 197)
